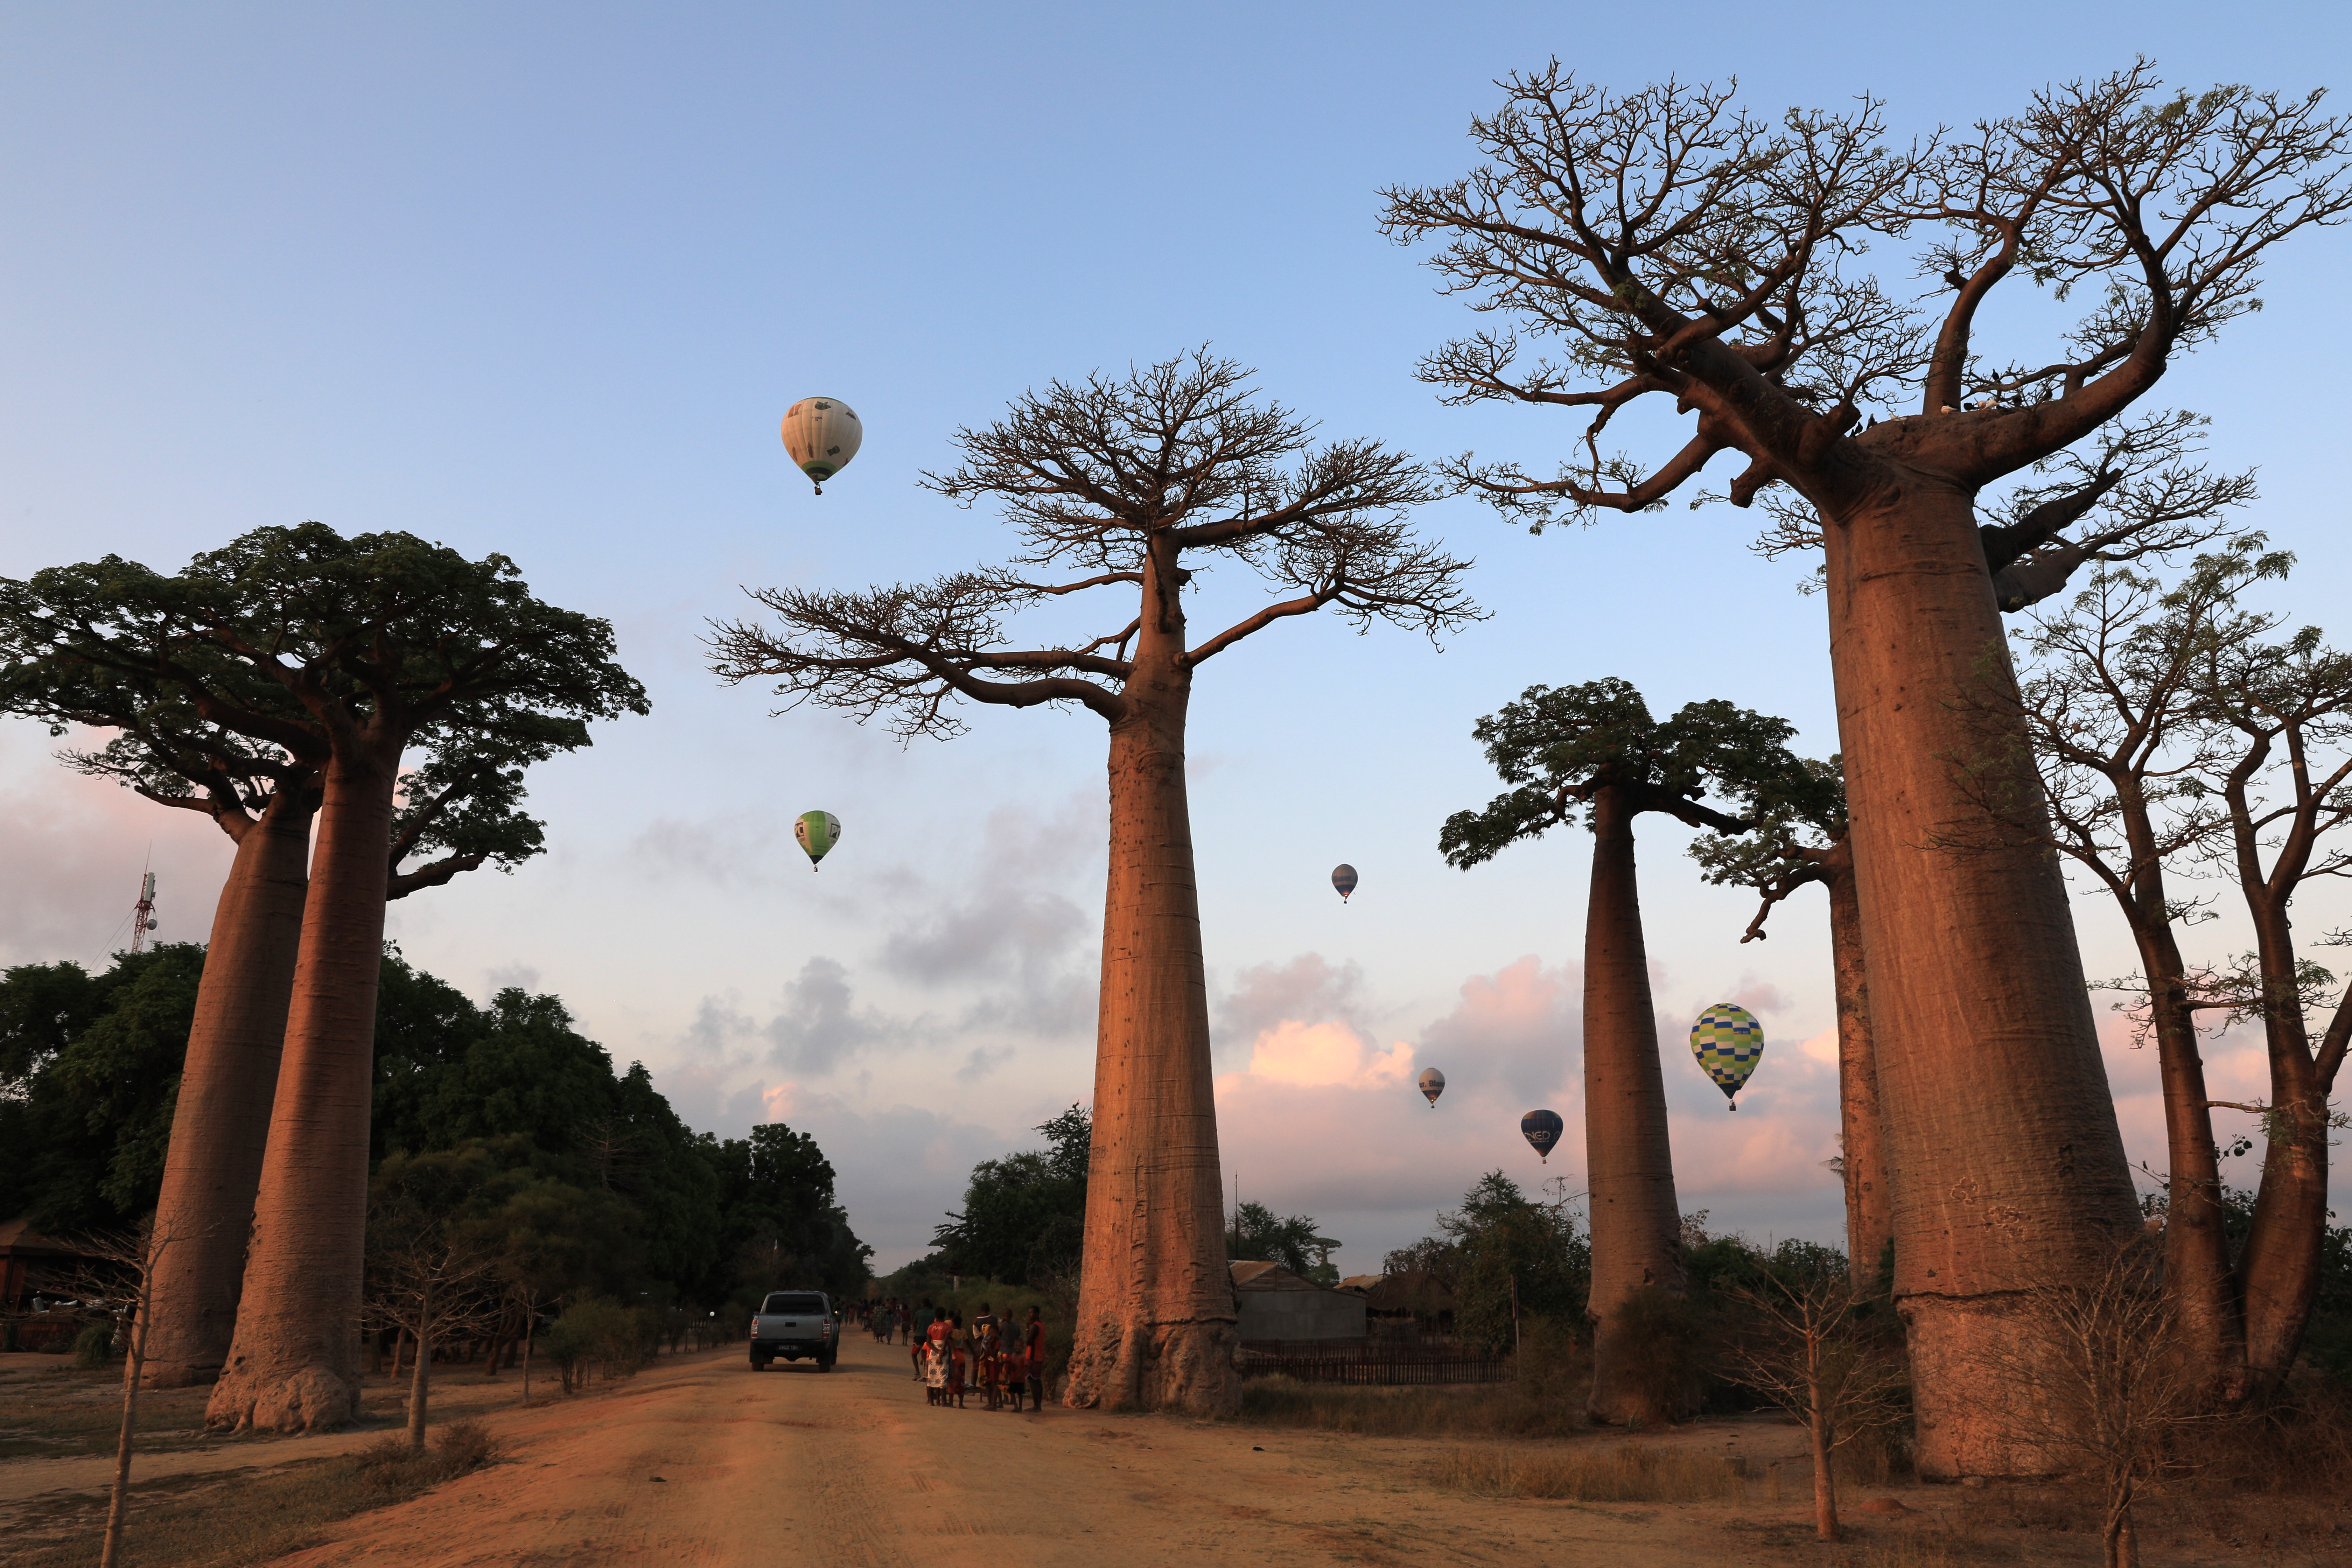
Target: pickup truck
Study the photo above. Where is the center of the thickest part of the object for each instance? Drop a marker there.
(793, 1324)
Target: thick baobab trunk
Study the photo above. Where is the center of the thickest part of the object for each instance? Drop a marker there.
(2001, 1144)
(1636, 1224)
(2197, 1272)
(2283, 1253)
(1869, 1200)
(294, 1360)
(222, 1120)
(1156, 1320)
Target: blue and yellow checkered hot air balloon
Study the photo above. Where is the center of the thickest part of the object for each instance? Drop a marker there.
(1729, 1042)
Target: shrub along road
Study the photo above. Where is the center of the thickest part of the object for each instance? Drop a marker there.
(702, 1460)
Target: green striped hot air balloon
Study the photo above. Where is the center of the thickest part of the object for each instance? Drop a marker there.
(816, 832)
(1729, 1042)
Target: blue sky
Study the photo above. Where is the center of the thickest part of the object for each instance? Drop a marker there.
(542, 280)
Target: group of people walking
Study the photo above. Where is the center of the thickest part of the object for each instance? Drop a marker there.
(1001, 1361)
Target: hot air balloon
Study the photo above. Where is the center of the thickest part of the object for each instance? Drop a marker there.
(1433, 1084)
(822, 434)
(1729, 1042)
(1542, 1129)
(1343, 877)
(817, 832)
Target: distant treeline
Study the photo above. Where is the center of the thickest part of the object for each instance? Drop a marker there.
(89, 1067)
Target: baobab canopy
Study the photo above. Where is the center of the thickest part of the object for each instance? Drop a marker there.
(822, 434)
(1433, 1084)
(1729, 1042)
(1542, 1129)
(1343, 877)
(817, 832)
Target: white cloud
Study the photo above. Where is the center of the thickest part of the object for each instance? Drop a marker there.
(1327, 1053)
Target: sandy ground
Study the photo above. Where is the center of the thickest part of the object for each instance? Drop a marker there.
(704, 1461)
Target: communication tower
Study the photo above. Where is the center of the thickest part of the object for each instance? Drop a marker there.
(142, 913)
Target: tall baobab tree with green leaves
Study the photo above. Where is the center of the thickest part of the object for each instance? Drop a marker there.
(1686, 250)
(1594, 750)
(1802, 839)
(1129, 483)
(461, 808)
(342, 654)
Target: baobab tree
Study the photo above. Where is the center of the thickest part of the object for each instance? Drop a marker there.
(342, 654)
(2138, 493)
(1798, 840)
(1594, 750)
(1128, 481)
(461, 808)
(1686, 250)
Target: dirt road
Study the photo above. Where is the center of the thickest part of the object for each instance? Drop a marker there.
(704, 1461)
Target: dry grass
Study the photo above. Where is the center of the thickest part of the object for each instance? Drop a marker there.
(61, 1413)
(1553, 1381)
(1909, 1552)
(1629, 1472)
(1496, 1409)
(245, 1518)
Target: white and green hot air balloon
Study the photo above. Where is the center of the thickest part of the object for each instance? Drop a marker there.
(1729, 1042)
(822, 434)
(816, 832)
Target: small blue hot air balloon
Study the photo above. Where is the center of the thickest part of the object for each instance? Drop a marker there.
(1343, 877)
(1542, 1129)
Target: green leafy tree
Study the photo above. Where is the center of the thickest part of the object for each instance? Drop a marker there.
(779, 1223)
(1515, 1257)
(1260, 1235)
(89, 1070)
(1594, 749)
(1023, 1215)
(587, 1154)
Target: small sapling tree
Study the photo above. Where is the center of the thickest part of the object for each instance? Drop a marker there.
(1804, 1345)
(2096, 1383)
(432, 1271)
(1134, 483)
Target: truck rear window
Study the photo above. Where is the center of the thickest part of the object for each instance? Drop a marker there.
(785, 1301)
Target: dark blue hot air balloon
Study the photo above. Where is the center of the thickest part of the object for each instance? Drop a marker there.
(1542, 1129)
(1343, 877)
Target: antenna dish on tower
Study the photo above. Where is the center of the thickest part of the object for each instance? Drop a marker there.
(142, 913)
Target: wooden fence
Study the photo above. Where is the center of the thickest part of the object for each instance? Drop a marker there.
(1373, 1363)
